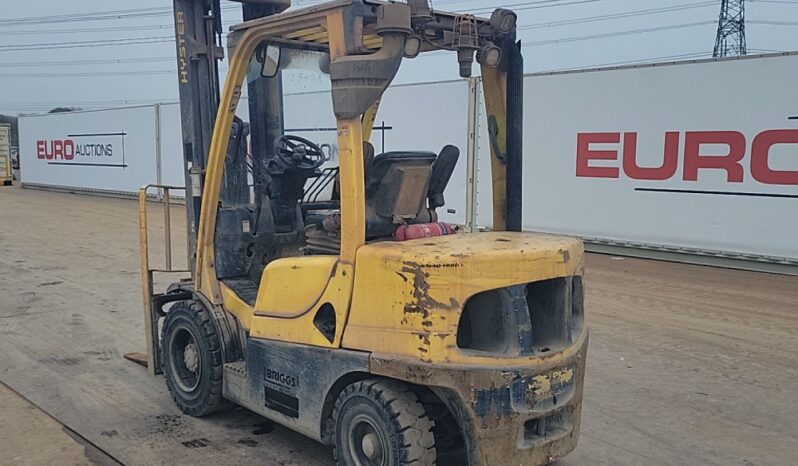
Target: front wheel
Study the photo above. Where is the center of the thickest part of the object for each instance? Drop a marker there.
(191, 358)
(381, 423)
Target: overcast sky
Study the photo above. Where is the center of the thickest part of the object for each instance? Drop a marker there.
(70, 60)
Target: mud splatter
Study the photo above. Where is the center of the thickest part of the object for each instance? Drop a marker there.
(263, 428)
(196, 443)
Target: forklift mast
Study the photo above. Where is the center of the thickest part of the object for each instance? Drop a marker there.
(198, 33)
(198, 28)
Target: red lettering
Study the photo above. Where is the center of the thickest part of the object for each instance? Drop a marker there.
(760, 153)
(48, 154)
(63, 149)
(670, 160)
(58, 149)
(69, 149)
(695, 160)
(584, 154)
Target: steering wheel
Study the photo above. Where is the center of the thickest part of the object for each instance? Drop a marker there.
(298, 152)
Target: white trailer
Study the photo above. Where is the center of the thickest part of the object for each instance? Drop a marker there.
(105, 150)
(697, 157)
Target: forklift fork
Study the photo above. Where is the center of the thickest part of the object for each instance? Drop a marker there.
(153, 303)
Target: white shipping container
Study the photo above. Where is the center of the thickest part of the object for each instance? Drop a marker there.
(696, 156)
(104, 150)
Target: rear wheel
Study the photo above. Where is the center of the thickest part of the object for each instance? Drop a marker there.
(191, 358)
(382, 423)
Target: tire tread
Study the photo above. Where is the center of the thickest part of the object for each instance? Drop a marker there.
(213, 402)
(404, 409)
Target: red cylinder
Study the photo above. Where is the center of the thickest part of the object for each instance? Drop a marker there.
(424, 230)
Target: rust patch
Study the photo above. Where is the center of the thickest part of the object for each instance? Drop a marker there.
(424, 340)
(566, 256)
(422, 302)
(424, 337)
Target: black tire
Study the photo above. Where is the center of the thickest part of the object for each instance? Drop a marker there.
(191, 358)
(380, 422)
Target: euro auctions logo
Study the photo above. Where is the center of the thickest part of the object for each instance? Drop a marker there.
(67, 149)
(57, 149)
(94, 149)
(771, 158)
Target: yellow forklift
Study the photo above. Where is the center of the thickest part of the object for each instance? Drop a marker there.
(359, 319)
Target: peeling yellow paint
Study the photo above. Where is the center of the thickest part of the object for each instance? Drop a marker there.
(562, 377)
(541, 384)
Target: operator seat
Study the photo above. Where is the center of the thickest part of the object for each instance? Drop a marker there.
(398, 184)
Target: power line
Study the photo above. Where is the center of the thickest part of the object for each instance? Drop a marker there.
(772, 23)
(164, 11)
(88, 43)
(616, 34)
(47, 103)
(85, 15)
(163, 39)
(657, 59)
(766, 51)
(169, 39)
(88, 30)
(84, 106)
(96, 16)
(91, 104)
(628, 14)
(87, 74)
(93, 30)
(109, 61)
(523, 6)
(92, 74)
(600, 36)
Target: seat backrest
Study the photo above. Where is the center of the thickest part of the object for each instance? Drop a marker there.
(442, 171)
(398, 183)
